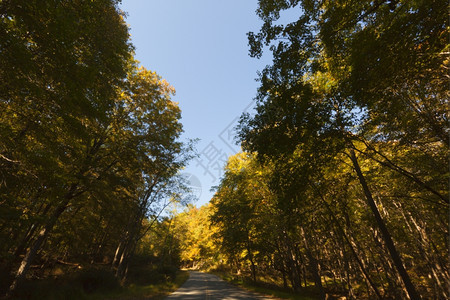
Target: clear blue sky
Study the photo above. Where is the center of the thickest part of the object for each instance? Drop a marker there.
(200, 47)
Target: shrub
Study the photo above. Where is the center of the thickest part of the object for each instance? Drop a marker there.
(92, 280)
(168, 271)
(48, 289)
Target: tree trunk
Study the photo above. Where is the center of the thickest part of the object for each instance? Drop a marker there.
(427, 253)
(117, 254)
(282, 265)
(297, 271)
(410, 289)
(29, 257)
(350, 244)
(123, 265)
(252, 263)
(393, 166)
(314, 267)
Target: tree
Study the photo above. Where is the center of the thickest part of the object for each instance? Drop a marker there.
(322, 94)
(196, 235)
(151, 137)
(88, 139)
(58, 82)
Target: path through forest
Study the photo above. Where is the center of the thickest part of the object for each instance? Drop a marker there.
(207, 286)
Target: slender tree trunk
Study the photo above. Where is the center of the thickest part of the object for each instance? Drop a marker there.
(297, 270)
(303, 270)
(123, 263)
(290, 274)
(282, 265)
(21, 247)
(117, 254)
(99, 247)
(427, 253)
(252, 262)
(123, 246)
(29, 257)
(24, 243)
(314, 267)
(390, 275)
(410, 289)
(283, 274)
(124, 255)
(350, 244)
(28, 236)
(291, 263)
(393, 166)
(295, 280)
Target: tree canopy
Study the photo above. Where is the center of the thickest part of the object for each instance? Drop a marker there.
(89, 141)
(341, 189)
(357, 88)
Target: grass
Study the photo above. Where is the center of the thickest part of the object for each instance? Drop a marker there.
(139, 291)
(145, 282)
(260, 288)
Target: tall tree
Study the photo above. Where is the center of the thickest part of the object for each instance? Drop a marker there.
(86, 136)
(317, 97)
(61, 64)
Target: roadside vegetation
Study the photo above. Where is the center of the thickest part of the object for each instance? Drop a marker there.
(90, 151)
(265, 286)
(100, 283)
(341, 188)
(342, 185)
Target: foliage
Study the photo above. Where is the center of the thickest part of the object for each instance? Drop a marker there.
(342, 190)
(323, 226)
(351, 121)
(89, 141)
(71, 287)
(186, 239)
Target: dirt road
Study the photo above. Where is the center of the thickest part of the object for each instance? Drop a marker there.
(203, 286)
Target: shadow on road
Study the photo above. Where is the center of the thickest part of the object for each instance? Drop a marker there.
(207, 286)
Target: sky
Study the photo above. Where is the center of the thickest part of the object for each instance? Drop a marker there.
(200, 47)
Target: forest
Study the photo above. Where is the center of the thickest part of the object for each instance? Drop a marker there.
(90, 146)
(341, 189)
(342, 184)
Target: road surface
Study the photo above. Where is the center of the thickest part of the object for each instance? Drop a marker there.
(203, 286)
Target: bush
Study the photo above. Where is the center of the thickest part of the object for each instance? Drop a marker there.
(48, 289)
(220, 268)
(143, 259)
(148, 274)
(144, 275)
(169, 272)
(62, 282)
(92, 280)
